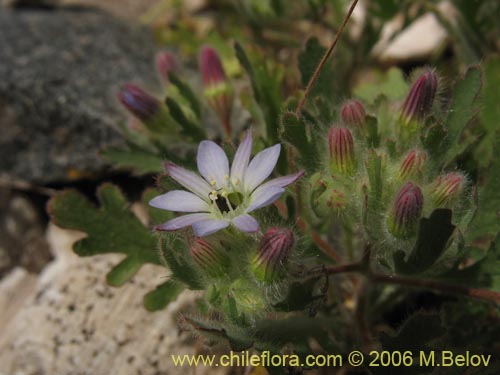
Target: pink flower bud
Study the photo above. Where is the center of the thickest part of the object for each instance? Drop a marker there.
(165, 64)
(208, 257)
(448, 188)
(141, 104)
(418, 103)
(218, 90)
(403, 219)
(274, 250)
(353, 113)
(412, 164)
(341, 147)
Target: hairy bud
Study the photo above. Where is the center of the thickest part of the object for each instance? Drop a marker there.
(211, 259)
(141, 104)
(341, 147)
(274, 250)
(418, 103)
(403, 219)
(218, 90)
(447, 189)
(353, 113)
(165, 64)
(412, 164)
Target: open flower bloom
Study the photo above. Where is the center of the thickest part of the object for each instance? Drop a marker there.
(223, 196)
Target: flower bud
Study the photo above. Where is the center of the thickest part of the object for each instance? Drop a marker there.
(165, 64)
(218, 90)
(341, 147)
(353, 113)
(418, 103)
(448, 188)
(403, 219)
(275, 247)
(412, 164)
(141, 104)
(211, 259)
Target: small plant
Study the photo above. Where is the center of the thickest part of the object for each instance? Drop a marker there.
(369, 201)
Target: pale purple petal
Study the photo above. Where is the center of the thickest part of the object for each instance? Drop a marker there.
(212, 162)
(283, 181)
(246, 223)
(263, 196)
(261, 167)
(206, 227)
(180, 201)
(242, 157)
(189, 180)
(182, 221)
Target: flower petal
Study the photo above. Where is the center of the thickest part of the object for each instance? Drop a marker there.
(246, 223)
(182, 221)
(212, 162)
(261, 167)
(262, 196)
(189, 180)
(283, 181)
(242, 157)
(180, 201)
(206, 227)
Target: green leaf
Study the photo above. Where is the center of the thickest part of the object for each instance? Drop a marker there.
(486, 223)
(266, 79)
(299, 296)
(294, 131)
(308, 62)
(140, 161)
(187, 93)
(111, 228)
(463, 109)
(432, 240)
(390, 84)
(176, 256)
(189, 129)
(164, 293)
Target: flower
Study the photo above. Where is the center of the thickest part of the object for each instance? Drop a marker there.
(217, 88)
(141, 104)
(448, 188)
(165, 64)
(412, 164)
(353, 113)
(273, 252)
(223, 196)
(403, 220)
(418, 103)
(341, 148)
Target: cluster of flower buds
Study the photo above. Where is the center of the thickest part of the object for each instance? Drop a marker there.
(418, 103)
(341, 151)
(406, 211)
(412, 164)
(447, 189)
(166, 64)
(212, 259)
(353, 113)
(218, 90)
(275, 247)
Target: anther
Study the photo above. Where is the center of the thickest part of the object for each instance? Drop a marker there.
(236, 181)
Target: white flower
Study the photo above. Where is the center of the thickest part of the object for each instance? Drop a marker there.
(223, 196)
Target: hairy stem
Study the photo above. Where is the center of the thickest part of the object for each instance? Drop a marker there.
(324, 59)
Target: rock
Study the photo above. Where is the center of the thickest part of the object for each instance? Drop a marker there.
(22, 234)
(68, 321)
(59, 71)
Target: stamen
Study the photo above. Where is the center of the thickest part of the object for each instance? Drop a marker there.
(213, 182)
(236, 181)
(224, 194)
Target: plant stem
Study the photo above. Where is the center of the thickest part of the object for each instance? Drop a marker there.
(324, 59)
(483, 294)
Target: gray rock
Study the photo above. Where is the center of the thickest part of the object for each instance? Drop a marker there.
(59, 71)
